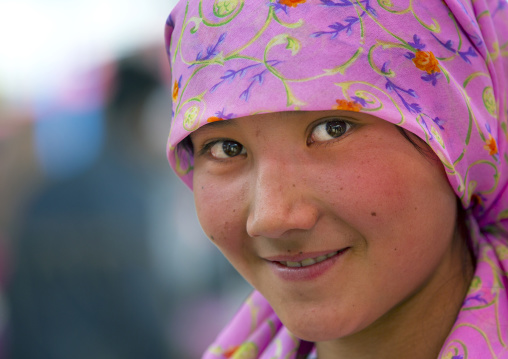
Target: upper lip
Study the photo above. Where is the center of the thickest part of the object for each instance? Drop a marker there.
(300, 256)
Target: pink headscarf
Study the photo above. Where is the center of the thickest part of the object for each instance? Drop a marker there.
(439, 69)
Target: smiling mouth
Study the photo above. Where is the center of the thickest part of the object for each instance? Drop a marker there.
(310, 261)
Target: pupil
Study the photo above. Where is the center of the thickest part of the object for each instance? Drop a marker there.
(335, 128)
(231, 148)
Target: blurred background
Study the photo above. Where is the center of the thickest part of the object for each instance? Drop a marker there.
(101, 253)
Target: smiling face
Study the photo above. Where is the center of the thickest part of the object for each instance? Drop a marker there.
(333, 216)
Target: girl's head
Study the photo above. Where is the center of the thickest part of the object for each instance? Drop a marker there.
(303, 186)
(284, 124)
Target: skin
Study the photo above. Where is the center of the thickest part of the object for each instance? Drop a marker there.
(396, 290)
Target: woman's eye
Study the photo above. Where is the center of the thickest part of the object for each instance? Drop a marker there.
(226, 149)
(329, 130)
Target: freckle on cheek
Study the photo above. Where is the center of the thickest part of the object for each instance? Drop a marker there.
(373, 214)
(211, 237)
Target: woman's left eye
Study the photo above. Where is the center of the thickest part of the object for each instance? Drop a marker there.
(226, 149)
(329, 130)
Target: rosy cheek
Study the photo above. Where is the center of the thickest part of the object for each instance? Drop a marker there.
(219, 212)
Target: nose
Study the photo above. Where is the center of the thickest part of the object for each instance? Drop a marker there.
(281, 201)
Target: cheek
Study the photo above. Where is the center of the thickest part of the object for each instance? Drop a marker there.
(394, 198)
(365, 189)
(220, 208)
(406, 212)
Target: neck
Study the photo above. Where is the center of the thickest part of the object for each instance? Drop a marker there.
(416, 328)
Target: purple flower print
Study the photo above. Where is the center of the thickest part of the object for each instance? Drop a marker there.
(439, 122)
(344, 3)
(416, 43)
(339, 27)
(339, 3)
(279, 7)
(359, 100)
(501, 4)
(211, 51)
(169, 21)
(259, 77)
(350, 21)
(427, 129)
(230, 75)
(477, 39)
(432, 78)
(463, 54)
(392, 87)
(477, 298)
(221, 114)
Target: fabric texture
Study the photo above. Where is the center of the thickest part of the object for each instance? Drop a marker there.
(439, 69)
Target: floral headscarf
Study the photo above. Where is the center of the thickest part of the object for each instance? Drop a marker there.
(439, 69)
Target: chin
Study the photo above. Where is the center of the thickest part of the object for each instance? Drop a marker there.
(316, 330)
(316, 334)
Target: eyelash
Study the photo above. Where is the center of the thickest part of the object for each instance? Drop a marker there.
(349, 126)
(206, 148)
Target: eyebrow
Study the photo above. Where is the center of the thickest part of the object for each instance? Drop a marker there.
(231, 123)
(213, 126)
(218, 124)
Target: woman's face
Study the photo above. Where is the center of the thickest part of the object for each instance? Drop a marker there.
(333, 216)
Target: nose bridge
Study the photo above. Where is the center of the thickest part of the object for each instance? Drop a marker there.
(280, 200)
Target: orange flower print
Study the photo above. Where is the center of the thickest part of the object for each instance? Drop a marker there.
(347, 105)
(231, 351)
(176, 88)
(214, 119)
(175, 91)
(491, 145)
(292, 3)
(247, 350)
(426, 61)
(476, 200)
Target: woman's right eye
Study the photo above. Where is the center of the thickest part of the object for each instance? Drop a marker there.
(225, 149)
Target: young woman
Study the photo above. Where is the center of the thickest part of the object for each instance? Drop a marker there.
(349, 158)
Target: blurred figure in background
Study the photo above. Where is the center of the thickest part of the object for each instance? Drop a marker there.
(19, 177)
(101, 241)
(82, 284)
(94, 226)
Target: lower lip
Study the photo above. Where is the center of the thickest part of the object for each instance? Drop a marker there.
(306, 273)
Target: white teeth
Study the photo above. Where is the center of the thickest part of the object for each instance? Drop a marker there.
(332, 254)
(308, 261)
(293, 264)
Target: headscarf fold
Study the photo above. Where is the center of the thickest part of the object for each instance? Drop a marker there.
(439, 69)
